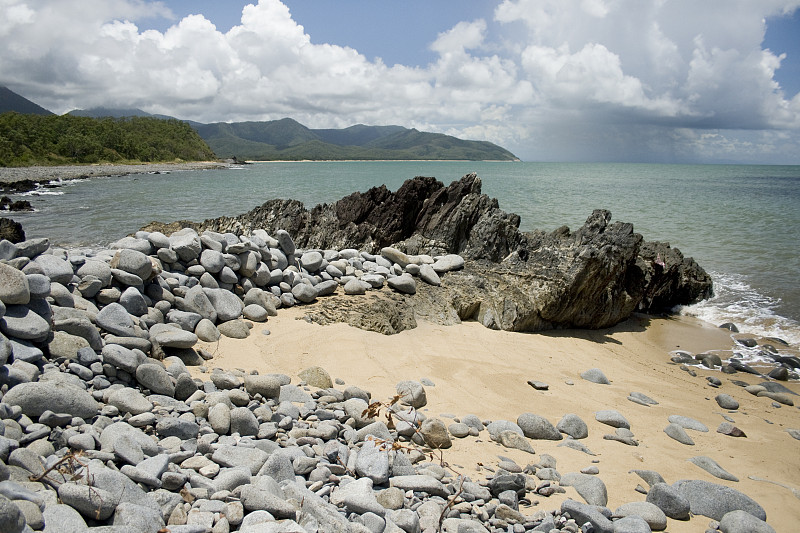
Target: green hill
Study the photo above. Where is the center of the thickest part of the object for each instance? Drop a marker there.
(11, 101)
(288, 139)
(65, 139)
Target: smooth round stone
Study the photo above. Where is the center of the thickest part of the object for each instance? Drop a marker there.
(108, 296)
(649, 512)
(158, 240)
(572, 425)
(25, 351)
(196, 301)
(679, 434)
(219, 416)
(23, 323)
(726, 401)
(412, 393)
(612, 418)
(37, 397)
(356, 287)
(39, 285)
(93, 269)
(448, 263)
(429, 275)
(130, 401)
(304, 293)
(177, 427)
(206, 331)
(739, 521)
(715, 501)
(326, 288)
(537, 427)
(122, 357)
(404, 284)
(254, 312)
(185, 319)
(134, 262)
(133, 301)
(458, 430)
(669, 500)
(170, 337)
(126, 278)
(212, 260)
(227, 305)
(67, 346)
(712, 467)
(395, 256)
(376, 281)
(115, 319)
(234, 329)
(311, 261)
(590, 488)
(155, 378)
(55, 268)
(595, 375)
(285, 242)
(82, 441)
(266, 386)
(91, 502)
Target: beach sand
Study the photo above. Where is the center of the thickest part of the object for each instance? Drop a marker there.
(68, 172)
(485, 372)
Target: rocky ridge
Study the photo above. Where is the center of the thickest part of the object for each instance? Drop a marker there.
(104, 428)
(593, 277)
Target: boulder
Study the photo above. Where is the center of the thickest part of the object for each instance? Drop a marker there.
(37, 397)
(14, 287)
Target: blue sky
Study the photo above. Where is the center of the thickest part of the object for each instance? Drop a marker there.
(551, 80)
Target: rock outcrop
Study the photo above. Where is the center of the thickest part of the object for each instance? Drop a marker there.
(11, 230)
(593, 277)
(454, 219)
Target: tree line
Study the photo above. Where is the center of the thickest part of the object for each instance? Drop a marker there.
(64, 139)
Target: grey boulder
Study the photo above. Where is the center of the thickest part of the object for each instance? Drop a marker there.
(14, 288)
(537, 427)
(715, 501)
(37, 397)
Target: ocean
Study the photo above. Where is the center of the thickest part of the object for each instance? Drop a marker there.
(740, 222)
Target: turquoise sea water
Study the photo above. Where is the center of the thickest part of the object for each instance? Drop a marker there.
(741, 223)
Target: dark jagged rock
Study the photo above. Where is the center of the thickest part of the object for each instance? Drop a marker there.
(11, 230)
(454, 219)
(7, 204)
(593, 277)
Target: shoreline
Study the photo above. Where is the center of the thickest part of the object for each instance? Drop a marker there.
(484, 372)
(9, 175)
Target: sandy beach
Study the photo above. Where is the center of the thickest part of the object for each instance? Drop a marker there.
(67, 172)
(485, 372)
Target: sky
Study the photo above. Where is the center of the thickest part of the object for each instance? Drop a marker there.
(672, 81)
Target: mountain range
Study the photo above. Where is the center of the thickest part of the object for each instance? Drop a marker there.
(287, 139)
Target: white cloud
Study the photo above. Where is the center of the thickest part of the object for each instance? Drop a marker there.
(549, 79)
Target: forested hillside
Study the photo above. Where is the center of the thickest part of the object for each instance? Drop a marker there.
(52, 140)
